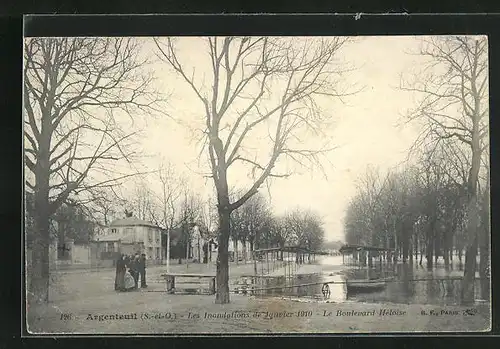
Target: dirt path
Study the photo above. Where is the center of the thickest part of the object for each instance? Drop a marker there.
(87, 303)
(152, 312)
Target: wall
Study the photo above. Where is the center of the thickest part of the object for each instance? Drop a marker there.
(81, 254)
(153, 246)
(131, 249)
(52, 255)
(95, 256)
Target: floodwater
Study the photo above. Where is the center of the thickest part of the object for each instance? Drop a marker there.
(409, 284)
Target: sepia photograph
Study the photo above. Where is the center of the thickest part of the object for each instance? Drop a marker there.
(256, 185)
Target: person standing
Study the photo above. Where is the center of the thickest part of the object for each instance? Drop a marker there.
(120, 273)
(129, 283)
(142, 270)
(134, 268)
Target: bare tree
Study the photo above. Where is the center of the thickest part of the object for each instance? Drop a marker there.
(306, 228)
(258, 84)
(75, 92)
(371, 187)
(280, 233)
(356, 224)
(142, 201)
(252, 218)
(105, 204)
(417, 208)
(171, 191)
(208, 220)
(454, 107)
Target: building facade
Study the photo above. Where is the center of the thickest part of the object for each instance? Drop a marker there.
(236, 250)
(130, 235)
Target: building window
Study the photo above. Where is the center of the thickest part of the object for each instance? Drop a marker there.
(157, 253)
(157, 233)
(113, 231)
(150, 252)
(110, 247)
(150, 235)
(129, 232)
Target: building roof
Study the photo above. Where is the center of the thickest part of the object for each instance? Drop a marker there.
(131, 221)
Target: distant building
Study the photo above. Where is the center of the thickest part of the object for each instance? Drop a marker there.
(203, 247)
(236, 250)
(130, 235)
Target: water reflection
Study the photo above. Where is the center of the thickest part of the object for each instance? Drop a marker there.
(304, 285)
(409, 284)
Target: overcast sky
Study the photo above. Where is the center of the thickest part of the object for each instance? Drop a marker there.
(365, 130)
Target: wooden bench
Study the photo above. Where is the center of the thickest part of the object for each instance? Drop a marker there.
(171, 283)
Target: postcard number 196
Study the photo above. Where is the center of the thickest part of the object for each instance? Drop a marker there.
(66, 316)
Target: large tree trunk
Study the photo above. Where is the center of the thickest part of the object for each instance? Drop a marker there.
(39, 288)
(222, 274)
(472, 214)
(467, 295)
(484, 243)
(484, 247)
(429, 248)
(483, 271)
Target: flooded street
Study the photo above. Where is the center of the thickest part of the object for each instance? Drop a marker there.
(410, 284)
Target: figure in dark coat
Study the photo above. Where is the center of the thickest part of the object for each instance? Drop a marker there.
(134, 269)
(121, 267)
(142, 270)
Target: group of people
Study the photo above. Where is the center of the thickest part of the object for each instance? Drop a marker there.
(128, 271)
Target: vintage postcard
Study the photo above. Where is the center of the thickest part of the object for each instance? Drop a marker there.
(236, 185)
